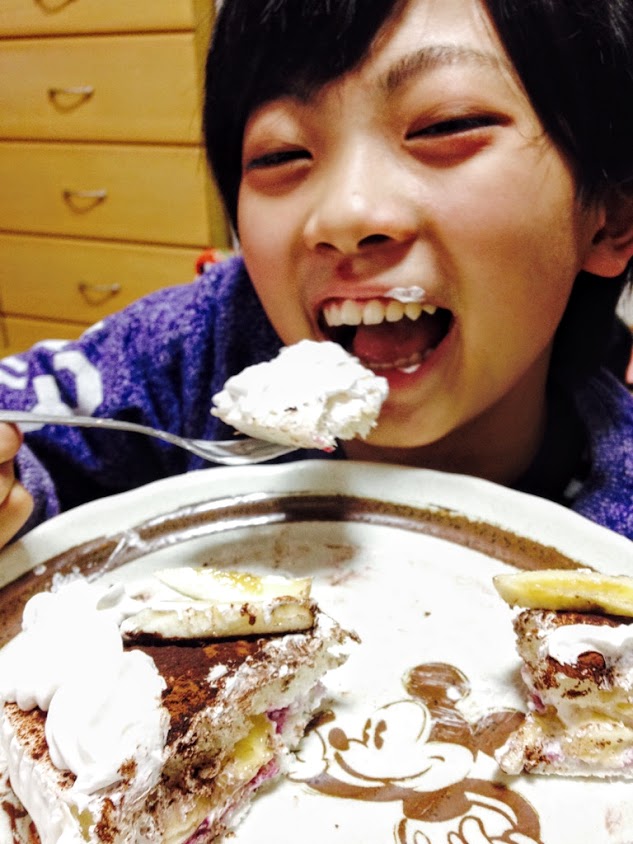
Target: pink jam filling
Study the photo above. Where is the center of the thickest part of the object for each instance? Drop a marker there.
(266, 772)
(279, 718)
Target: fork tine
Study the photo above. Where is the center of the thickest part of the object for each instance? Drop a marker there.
(239, 452)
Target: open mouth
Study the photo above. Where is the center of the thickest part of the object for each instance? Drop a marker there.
(386, 334)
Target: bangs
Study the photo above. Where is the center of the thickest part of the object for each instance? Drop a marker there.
(265, 49)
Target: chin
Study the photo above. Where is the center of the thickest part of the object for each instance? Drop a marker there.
(388, 438)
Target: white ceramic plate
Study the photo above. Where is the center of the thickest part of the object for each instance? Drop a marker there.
(406, 558)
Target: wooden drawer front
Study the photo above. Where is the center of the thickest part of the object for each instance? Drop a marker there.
(84, 280)
(153, 194)
(40, 17)
(18, 335)
(128, 88)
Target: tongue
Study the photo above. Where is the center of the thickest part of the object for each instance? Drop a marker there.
(392, 341)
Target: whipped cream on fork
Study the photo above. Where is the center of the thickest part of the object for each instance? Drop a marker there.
(312, 394)
(406, 294)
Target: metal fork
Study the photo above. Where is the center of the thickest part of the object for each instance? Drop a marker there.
(238, 452)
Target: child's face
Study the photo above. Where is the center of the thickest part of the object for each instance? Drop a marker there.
(425, 167)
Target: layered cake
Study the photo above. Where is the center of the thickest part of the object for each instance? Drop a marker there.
(115, 733)
(311, 395)
(575, 639)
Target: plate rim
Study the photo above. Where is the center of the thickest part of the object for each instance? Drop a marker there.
(521, 513)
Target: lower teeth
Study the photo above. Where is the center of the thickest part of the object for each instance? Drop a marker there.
(408, 366)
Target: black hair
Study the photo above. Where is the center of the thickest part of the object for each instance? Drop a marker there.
(263, 49)
(574, 59)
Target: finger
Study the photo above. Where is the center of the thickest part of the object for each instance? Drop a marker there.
(14, 512)
(10, 441)
(7, 477)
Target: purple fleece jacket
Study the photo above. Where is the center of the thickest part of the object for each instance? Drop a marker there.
(158, 363)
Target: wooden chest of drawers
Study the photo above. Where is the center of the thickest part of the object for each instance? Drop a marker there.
(105, 189)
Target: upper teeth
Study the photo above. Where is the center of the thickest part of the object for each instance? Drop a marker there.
(373, 312)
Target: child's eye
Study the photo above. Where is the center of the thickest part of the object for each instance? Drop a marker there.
(453, 140)
(453, 126)
(276, 159)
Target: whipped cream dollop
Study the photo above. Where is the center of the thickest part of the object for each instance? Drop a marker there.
(103, 703)
(566, 643)
(310, 395)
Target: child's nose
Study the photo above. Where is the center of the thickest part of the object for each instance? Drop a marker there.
(358, 202)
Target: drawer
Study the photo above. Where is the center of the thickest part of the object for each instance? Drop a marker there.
(125, 88)
(18, 335)
(41, 17)
(132, 193)
(84, 280)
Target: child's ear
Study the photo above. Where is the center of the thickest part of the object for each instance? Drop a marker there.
(612, 245)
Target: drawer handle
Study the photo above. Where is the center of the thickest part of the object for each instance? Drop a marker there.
(82, 201)
(68, 98)
(97, 294)
(53, 7)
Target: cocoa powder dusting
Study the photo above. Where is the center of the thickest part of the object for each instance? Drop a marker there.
(185, 669)
(105, 828)
(30, 729)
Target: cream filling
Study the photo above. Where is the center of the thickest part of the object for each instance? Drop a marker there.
(61, 821)
(372, 312)
(250, 754)
(177, 620)
(34, 786)
(566, 643)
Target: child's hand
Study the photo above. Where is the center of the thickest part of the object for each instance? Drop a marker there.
(16, 503)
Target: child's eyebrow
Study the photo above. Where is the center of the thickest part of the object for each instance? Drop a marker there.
(430, 57)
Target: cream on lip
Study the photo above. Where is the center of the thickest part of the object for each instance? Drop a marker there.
(406, 294)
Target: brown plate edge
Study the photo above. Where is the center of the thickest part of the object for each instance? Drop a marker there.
(105, 553)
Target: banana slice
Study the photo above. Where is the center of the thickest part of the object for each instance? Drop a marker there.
(210, 604)
(206, 584)
(580, 590)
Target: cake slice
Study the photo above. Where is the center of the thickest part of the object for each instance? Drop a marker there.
(311, 395)
(151, 739)
(575, 640)
(205, 603)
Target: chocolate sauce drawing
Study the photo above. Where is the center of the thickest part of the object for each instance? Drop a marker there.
(420, 751)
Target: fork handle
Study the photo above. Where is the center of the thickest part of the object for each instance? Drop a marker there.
(23, 417)
(230, 453)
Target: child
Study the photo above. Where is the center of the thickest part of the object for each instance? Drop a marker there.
(472, 156)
